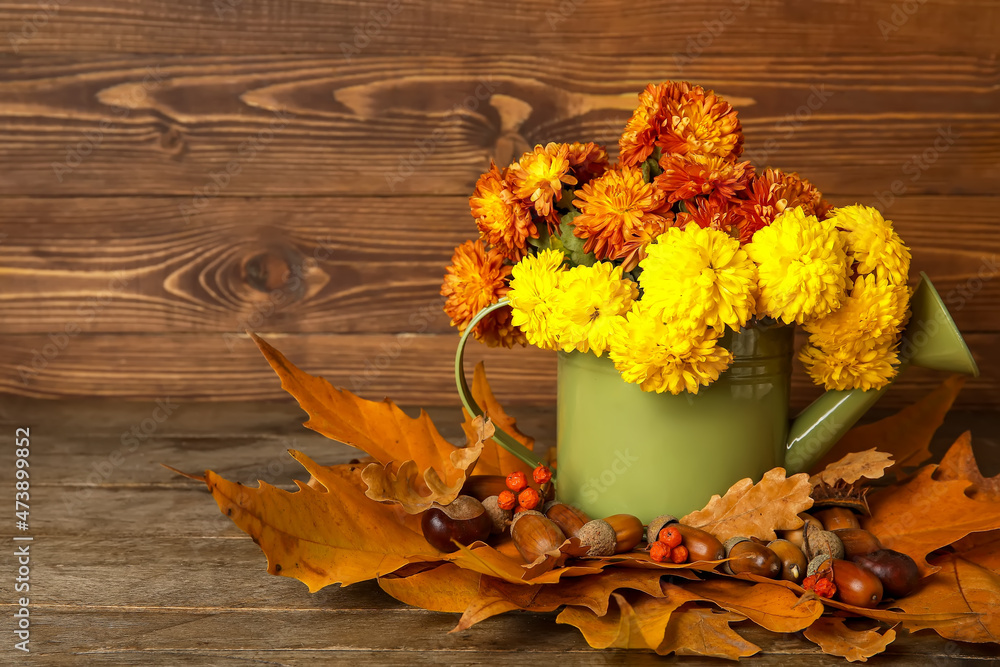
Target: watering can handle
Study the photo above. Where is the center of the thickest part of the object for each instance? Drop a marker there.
(501, 437)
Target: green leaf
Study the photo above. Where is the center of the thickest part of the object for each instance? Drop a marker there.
(570, 244)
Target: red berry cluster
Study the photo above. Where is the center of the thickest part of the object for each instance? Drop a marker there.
(821, 584)
(668, 547)
(519, 495)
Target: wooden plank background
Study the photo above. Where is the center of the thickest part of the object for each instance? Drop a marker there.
(172, 173)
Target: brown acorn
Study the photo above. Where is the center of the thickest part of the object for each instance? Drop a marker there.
(898, 573)
(482, 487)
(857, 542)
(793, 561)
(628, 532)
(835, 518)
(701, 545)
(569, 519)
(746, 556)
(819, 541)
(797, 536)
(463, 520)
(535, 535)
(855, 585)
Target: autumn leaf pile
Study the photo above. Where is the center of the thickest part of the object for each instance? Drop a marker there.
(360, 522)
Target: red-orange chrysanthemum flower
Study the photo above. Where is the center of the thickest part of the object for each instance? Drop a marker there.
(685, 176)
(644, 127)
(615, 206)
(477, 278)
(709, 213)
(702, 123)
(770, 193)
(504, 221)
(587, 161)
(539, 175)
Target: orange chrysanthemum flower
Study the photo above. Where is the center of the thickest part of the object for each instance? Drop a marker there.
(477, 278)
(615, 206)
(685, 176)
(587, 161)
(643, 128)
(702, 123)
(709, 213)
(634, 249)
(504, 221)
(539, 175)
(771, 192)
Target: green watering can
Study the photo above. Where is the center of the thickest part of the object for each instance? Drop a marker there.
(623, 450)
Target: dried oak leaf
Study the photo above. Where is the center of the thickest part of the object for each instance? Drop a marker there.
(638, 621)
(983, 549)
(696, 630)
(960, 463)
(445, 587)
(835, 638)
(774, 608)
(905, 435)
(379, 428)
(924, 514)
(416, 493)
(870, 464)
(495, 460)
(958, 586)
(592, 592)
(756, 510)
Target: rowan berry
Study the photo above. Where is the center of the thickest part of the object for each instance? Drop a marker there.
(506, 500)
(529, 499)
(541, 474)
(679, 554)
(821, 585)
(659, 552)
(670, 536)
(516, 481)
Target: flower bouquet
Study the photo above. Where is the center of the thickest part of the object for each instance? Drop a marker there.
(654, 258)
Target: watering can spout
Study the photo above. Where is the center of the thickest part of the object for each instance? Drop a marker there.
(931, 340)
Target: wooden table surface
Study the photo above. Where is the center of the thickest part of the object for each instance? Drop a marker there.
(131, 564)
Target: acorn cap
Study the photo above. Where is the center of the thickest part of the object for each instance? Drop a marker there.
(599, 536)
(656, 525)
(728, 546)
(501, 518)
(815, 563)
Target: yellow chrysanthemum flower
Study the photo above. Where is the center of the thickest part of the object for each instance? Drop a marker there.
(661, 356)
(871, 367)
(591, 306)
(701, 275)
(534, 288)
(801, 267)
(872, 242)
(875, 311)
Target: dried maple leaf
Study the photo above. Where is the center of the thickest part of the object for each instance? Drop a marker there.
(835, 638)
(924, 514)
(379, 428)
(495, 460)
(870, 464)
(756, 510)
(446, 587)
(694, 630)
(960, 463)
(907, 434)
(406, 486)
(322, 537)
(958, 586)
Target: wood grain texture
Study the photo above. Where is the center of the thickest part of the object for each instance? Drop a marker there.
(409, 369)
(126, 264)
(454, 26)
(294, 125)
(142, 568)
